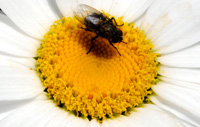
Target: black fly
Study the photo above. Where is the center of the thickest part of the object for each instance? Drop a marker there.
(95, 21)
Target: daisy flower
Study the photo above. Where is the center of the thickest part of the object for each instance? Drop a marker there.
(47, 78)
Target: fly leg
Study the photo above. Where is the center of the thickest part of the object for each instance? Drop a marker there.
(86, 29)
(114, 47)
(93, 42)
(115, 21)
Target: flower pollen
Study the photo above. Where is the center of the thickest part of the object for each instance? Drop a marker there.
(99, 84)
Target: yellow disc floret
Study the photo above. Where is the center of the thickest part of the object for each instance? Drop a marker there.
(99, 84)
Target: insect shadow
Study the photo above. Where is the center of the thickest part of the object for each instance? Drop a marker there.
(101, 47)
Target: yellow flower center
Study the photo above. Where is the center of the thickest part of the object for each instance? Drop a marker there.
(101, 83)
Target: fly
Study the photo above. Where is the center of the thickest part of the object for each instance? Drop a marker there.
(97, 22)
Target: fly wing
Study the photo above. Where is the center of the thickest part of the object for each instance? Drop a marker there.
(84, 10)
(88, 9)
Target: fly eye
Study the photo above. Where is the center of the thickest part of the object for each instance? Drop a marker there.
(119, 32)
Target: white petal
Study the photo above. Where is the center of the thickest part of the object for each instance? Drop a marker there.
(68, 6)
(129, 9)
(19, 62)
(139, 21)
(94, 123)
(35, 114)
(188, 75)
(100, 4)
(188, 124)
(189, 58)
(186, 99)
(18, 84)
(42, 96)
(12, 41)
(128, 121)
(3, 115)
(154, 118)
(116, 122)
(173, 25)
(64, 119)
(33, 16)
(147, 116)
(186, 85)
(8, 105)
(182, 114)
(64, 7)
(107, 5)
